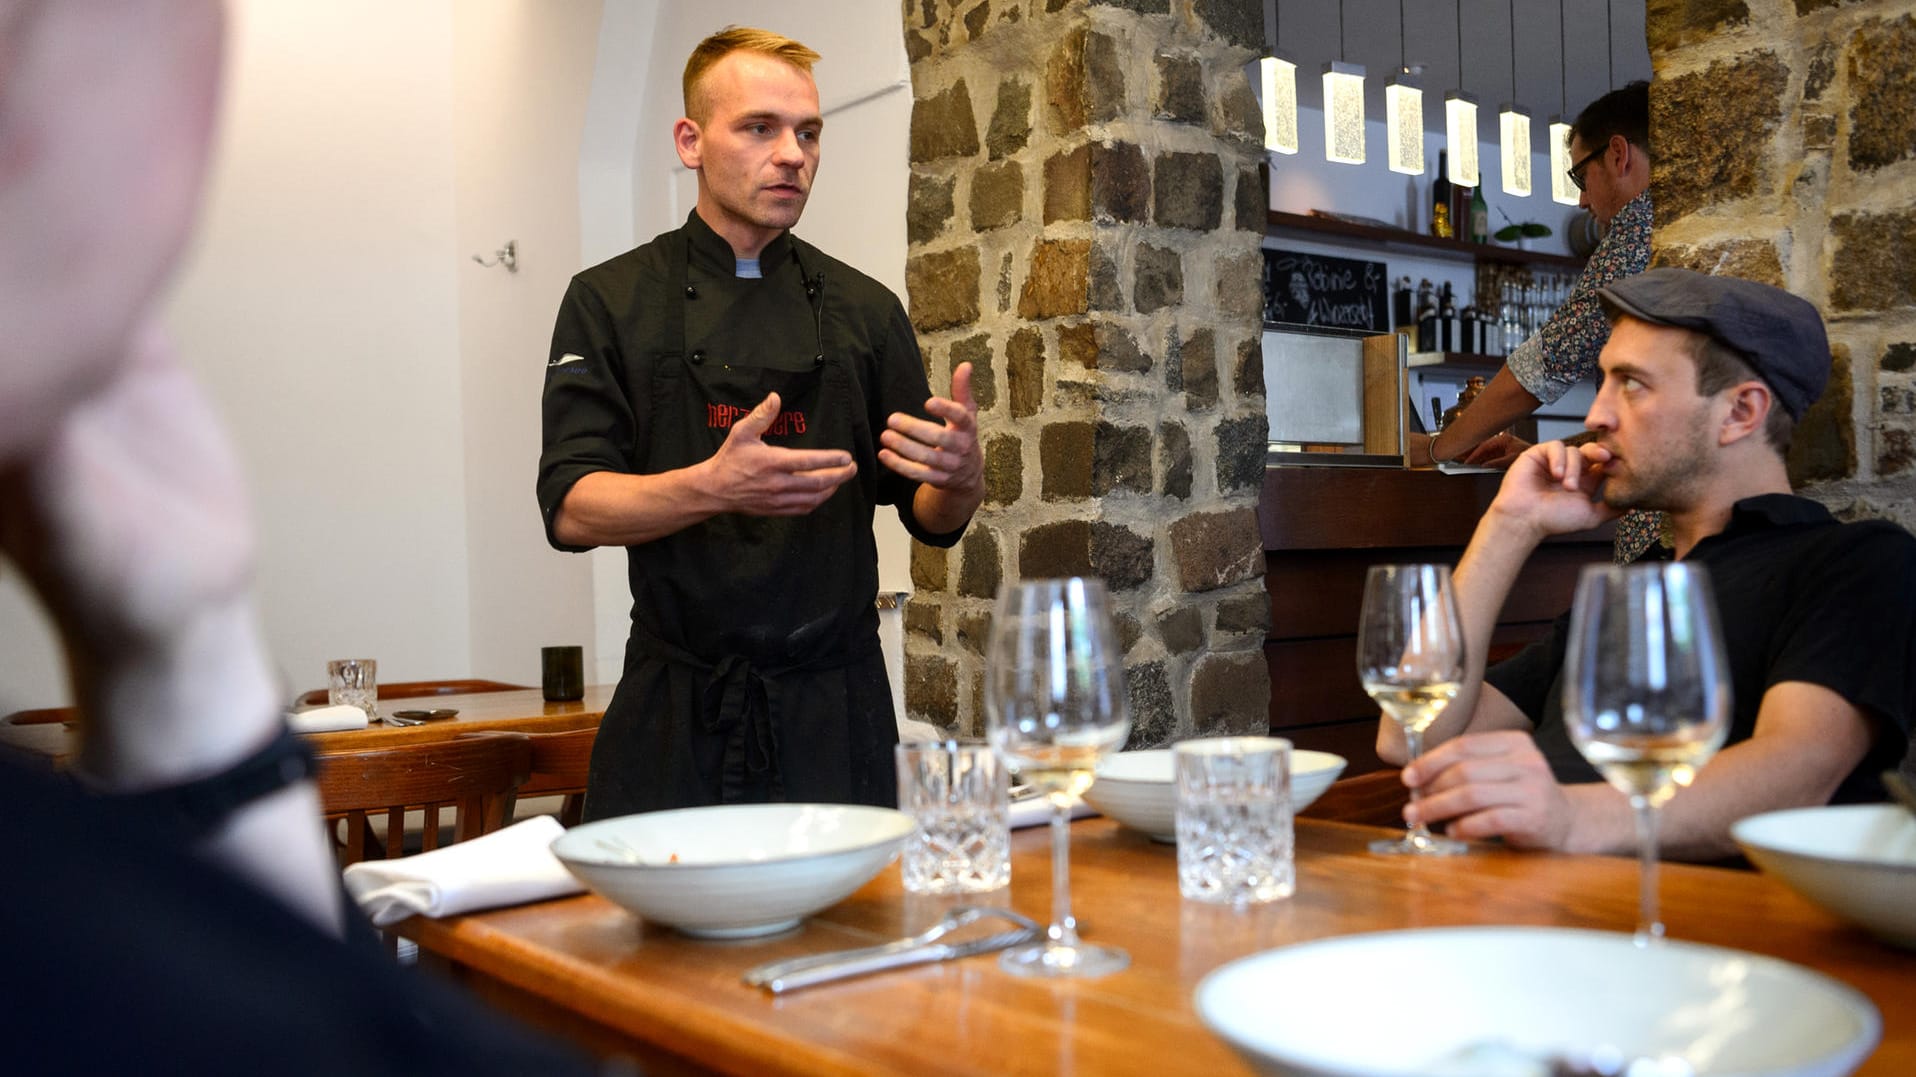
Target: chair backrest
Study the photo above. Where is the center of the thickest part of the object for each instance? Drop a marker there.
(475, 775)
(421, 689)
(559, 765)
(1376, 799)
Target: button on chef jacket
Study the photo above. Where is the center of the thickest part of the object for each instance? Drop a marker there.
(753, 670)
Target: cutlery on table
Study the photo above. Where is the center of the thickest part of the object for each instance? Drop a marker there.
(926, 946)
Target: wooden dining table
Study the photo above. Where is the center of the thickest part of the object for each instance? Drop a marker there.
(523, 710)
(586, 969)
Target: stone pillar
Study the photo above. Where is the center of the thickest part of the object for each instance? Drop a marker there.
(1784, 139)
(1085, 218)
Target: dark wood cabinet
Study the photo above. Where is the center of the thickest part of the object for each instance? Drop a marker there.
(1323, 528)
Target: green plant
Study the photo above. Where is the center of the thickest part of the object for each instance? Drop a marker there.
(1512, 230)
(1529, 229)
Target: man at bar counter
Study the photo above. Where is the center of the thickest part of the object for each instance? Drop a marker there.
(171, 904)
(1703, 381)
(1610, 155)
(730, 405)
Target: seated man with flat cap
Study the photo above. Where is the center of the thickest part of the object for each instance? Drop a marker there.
(1703, 380)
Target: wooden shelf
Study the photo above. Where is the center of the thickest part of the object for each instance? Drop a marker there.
(1417, 243)
(1462, 362)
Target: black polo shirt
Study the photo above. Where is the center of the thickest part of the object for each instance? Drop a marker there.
(1801, 597)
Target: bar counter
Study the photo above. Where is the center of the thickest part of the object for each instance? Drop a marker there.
(1323, 527)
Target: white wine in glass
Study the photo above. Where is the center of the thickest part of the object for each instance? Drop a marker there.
(1055, 706)
(1410, 658)
(1646, 692)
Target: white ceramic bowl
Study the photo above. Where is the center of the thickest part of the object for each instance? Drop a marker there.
(1505, 1000)
(734, 871)
(1140, 789)
(1858, 861)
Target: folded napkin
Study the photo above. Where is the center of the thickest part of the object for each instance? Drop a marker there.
(326, 719)
(1033, 811)
(506, 867)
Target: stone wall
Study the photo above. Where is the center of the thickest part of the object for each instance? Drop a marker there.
(1784, 134)
(1084, 219)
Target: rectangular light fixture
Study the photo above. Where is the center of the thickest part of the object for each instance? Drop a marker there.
(1344, 113)
(1460, 135)
(1561, 189)
(1277, 87)
(1404, 124)
(1513, 124)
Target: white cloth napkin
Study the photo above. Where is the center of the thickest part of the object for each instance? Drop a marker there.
(326, 719)
(506, 867)
(1033, 811)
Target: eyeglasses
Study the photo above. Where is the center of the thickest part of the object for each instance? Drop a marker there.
(1576, 170)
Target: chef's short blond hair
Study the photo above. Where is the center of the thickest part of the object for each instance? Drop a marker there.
(737, 39)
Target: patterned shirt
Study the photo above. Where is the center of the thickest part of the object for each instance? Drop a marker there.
(1565, 351)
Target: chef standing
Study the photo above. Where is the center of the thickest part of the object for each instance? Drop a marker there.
(731, 404)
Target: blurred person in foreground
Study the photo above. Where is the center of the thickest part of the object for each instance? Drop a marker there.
(730, 404)
(1704, 379)
(1610, 165)
(172, 904)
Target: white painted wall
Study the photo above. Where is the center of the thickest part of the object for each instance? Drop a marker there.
(521, 77)
(382, 388)
(321, 310)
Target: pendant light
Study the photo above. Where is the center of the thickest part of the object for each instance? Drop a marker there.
(1277, 87)
(1343, 105)
(1561, 189)
(1404, 112)
(1460, 120)
(1513, 126)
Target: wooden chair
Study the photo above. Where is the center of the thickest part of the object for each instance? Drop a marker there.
(422, 689)
(559, 765)
(1376, 799)
(475, 775)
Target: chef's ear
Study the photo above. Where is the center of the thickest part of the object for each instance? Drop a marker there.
(686, 138)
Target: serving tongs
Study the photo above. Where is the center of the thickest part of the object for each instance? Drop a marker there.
(929, 945)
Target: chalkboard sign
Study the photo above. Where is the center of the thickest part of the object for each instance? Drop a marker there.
(1319, 291)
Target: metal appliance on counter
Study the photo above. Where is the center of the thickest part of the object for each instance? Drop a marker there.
(1335, 398)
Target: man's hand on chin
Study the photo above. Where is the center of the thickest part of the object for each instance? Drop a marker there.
(1555, 489)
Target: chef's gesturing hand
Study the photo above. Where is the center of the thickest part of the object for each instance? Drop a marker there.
(944, 456)
(767, 480)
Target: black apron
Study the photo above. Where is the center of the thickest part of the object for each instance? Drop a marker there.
(753, 671)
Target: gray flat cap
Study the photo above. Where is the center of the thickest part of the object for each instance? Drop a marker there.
(1778, 334)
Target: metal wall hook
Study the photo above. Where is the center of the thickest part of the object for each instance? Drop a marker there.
(507, 256)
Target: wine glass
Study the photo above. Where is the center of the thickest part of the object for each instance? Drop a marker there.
(1646, 692)
(1054, 706)
(1410, 656)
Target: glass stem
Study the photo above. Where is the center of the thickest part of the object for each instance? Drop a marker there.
(1064, 929)
(1649, 923)
(1414, 747)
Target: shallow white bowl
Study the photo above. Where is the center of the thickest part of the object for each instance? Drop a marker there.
(734, 871)
(1505, 999)
(1858, 861)
(1140, 789)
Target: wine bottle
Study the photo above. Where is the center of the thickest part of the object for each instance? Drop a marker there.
(1441, 223)
(1479, 216)
(1426, 318)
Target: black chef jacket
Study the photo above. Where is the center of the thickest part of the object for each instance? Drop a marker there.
(753, 670)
